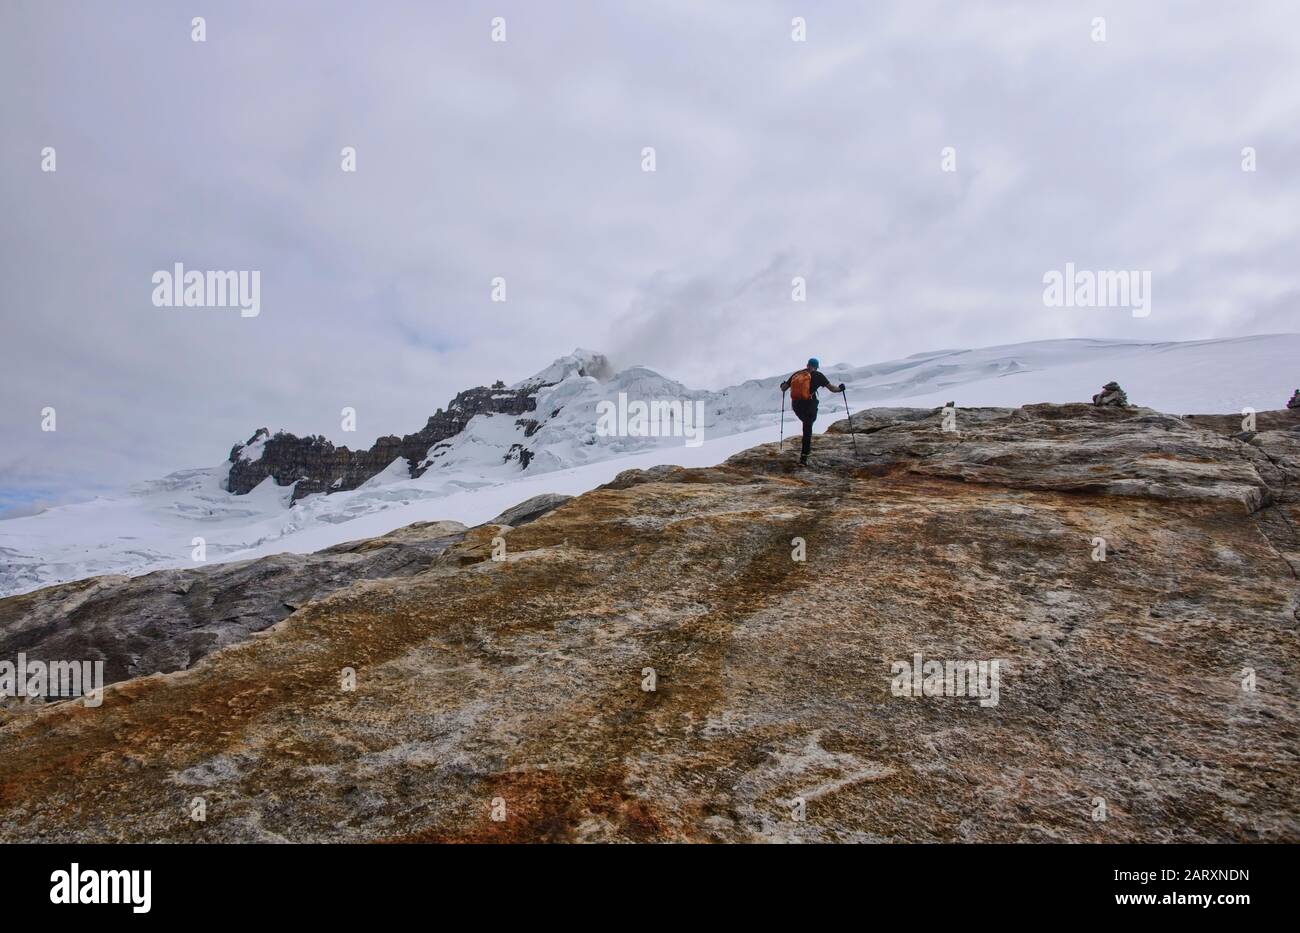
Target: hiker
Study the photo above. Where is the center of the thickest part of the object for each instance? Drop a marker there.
(803, 387)
(1111, 394)
(1294, 401)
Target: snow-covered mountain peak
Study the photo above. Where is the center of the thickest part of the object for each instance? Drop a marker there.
(580, 363)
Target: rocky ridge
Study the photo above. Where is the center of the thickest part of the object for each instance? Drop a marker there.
(773, 714)
(315, 465)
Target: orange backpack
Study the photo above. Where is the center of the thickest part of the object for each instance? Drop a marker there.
(801, 386)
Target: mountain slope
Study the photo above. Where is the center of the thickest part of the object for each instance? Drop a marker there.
(470, 475)
(775, 713)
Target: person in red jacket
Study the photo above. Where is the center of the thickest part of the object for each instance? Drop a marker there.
(803, 386)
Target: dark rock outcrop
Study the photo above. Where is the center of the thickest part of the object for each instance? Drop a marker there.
(531, 509)
(316, 465)
(520, 453)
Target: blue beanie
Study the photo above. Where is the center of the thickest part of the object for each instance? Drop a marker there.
(813, 362)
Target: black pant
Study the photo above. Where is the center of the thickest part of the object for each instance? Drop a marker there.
(806, 409)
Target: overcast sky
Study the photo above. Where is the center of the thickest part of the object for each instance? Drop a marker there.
(523, 159)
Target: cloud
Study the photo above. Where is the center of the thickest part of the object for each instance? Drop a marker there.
(522, 160)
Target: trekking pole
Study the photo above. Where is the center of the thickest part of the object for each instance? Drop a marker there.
(847, 412)
(782, 440)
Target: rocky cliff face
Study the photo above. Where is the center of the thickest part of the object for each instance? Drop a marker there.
(654, 661)
(316, 465)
